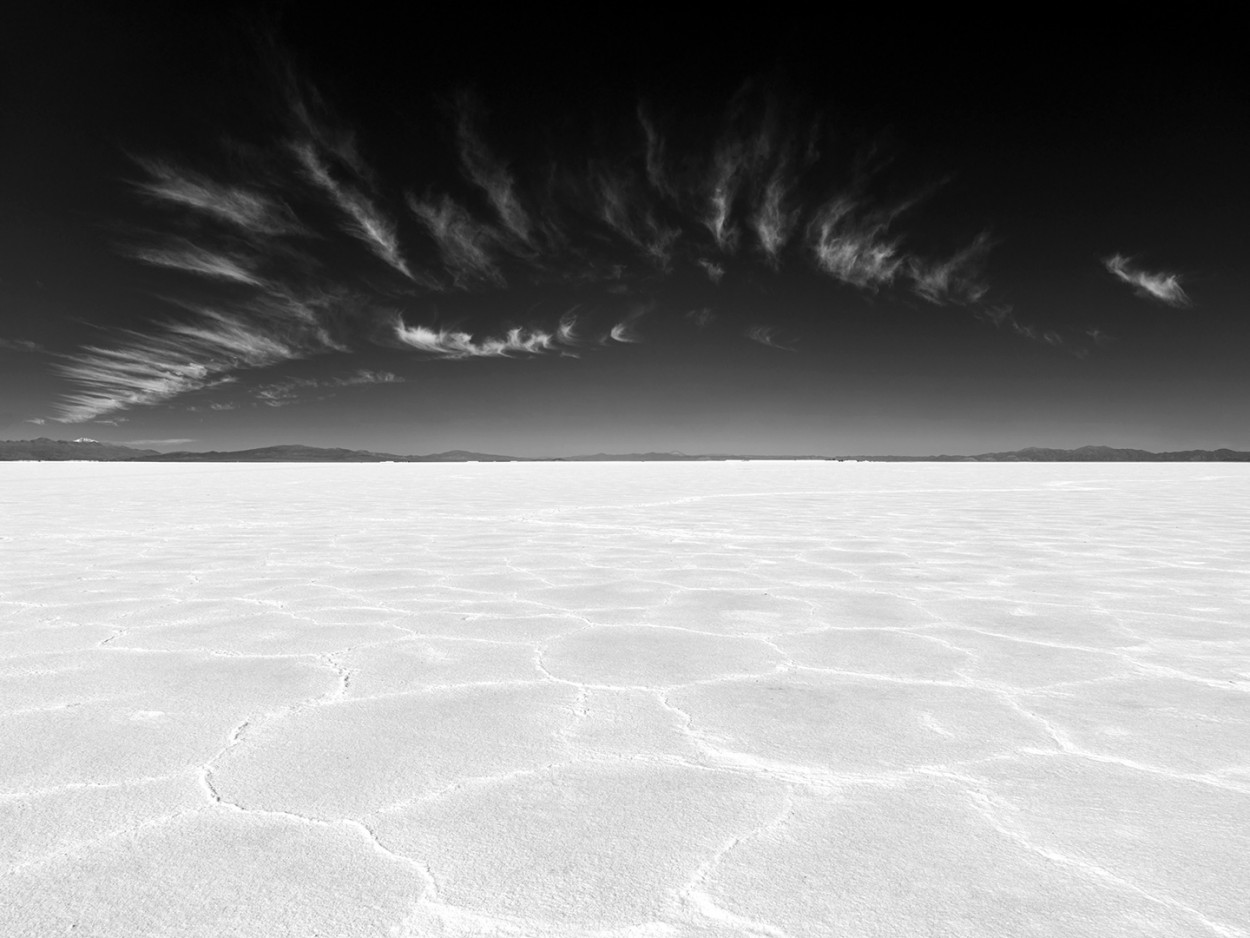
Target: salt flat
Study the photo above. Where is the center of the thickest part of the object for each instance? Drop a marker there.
(658, 700)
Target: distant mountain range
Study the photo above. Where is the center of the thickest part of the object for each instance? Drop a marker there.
(44, 449)
(1083, 454)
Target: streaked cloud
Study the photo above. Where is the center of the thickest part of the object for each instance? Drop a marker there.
(723, 183)
(623, 209)
(1097, 336)
(368, 224)
(626, 330)
(181, 254)
(767, 335)
(774, 219)
(312, 119)
(715, 272)
(174, 442)
(851, 243)
(20, 345)
(284, 393)
(1004, 317)
(567, 332)
(1161, 286)
(365, 376)
(179, 357)
(957, 279)
(655, 154)
(488, 173)
(463, 242)
(37, 421)
(293, 390)
(701, 317)
(285, 240)
(246, 208)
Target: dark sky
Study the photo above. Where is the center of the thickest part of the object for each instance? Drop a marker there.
(243, 225)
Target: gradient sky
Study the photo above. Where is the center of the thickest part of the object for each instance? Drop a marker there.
(864, 235)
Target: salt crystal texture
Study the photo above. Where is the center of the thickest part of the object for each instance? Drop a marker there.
(625, 700)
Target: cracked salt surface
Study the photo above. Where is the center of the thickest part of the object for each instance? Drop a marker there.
(658, 700)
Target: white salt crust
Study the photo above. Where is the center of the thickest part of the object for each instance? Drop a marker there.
(633, 700)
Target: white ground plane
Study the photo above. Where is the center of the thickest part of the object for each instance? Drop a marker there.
(642, 700)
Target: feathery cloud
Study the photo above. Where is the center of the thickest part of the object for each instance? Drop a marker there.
(723, 186)
(624, 210)
(463, 242)
(368, 223)
(625, 223)
(566, 332)
(180, 357)
(957, 279)
(850, 243)
(181, 254)
(20, 345)
(715, 272)
(290, 390)
(1161, 286)
(774, 220)
(365, 376)
(248, 209)
(626, 330)
(1004, 317)
(655, 156)
(701, 317)
(487, 173)
(766, 335)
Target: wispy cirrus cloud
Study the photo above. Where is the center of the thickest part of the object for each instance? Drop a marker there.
(488, 173)
(851, 243)
(774, 218)
(294, 390)
(451, 343)
(1004, 317)
(366, 376)
(20, 345)
(723, 184)
(631, 218)
(367, 222)
(246, 208)
(182, 356)
(956, 279)
(290, 236)
(626, 330)
(1161, 286)
(181, 254)
(715, 272)
(655, 154)
(701, 317)
(767, 335)
(464, 243)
